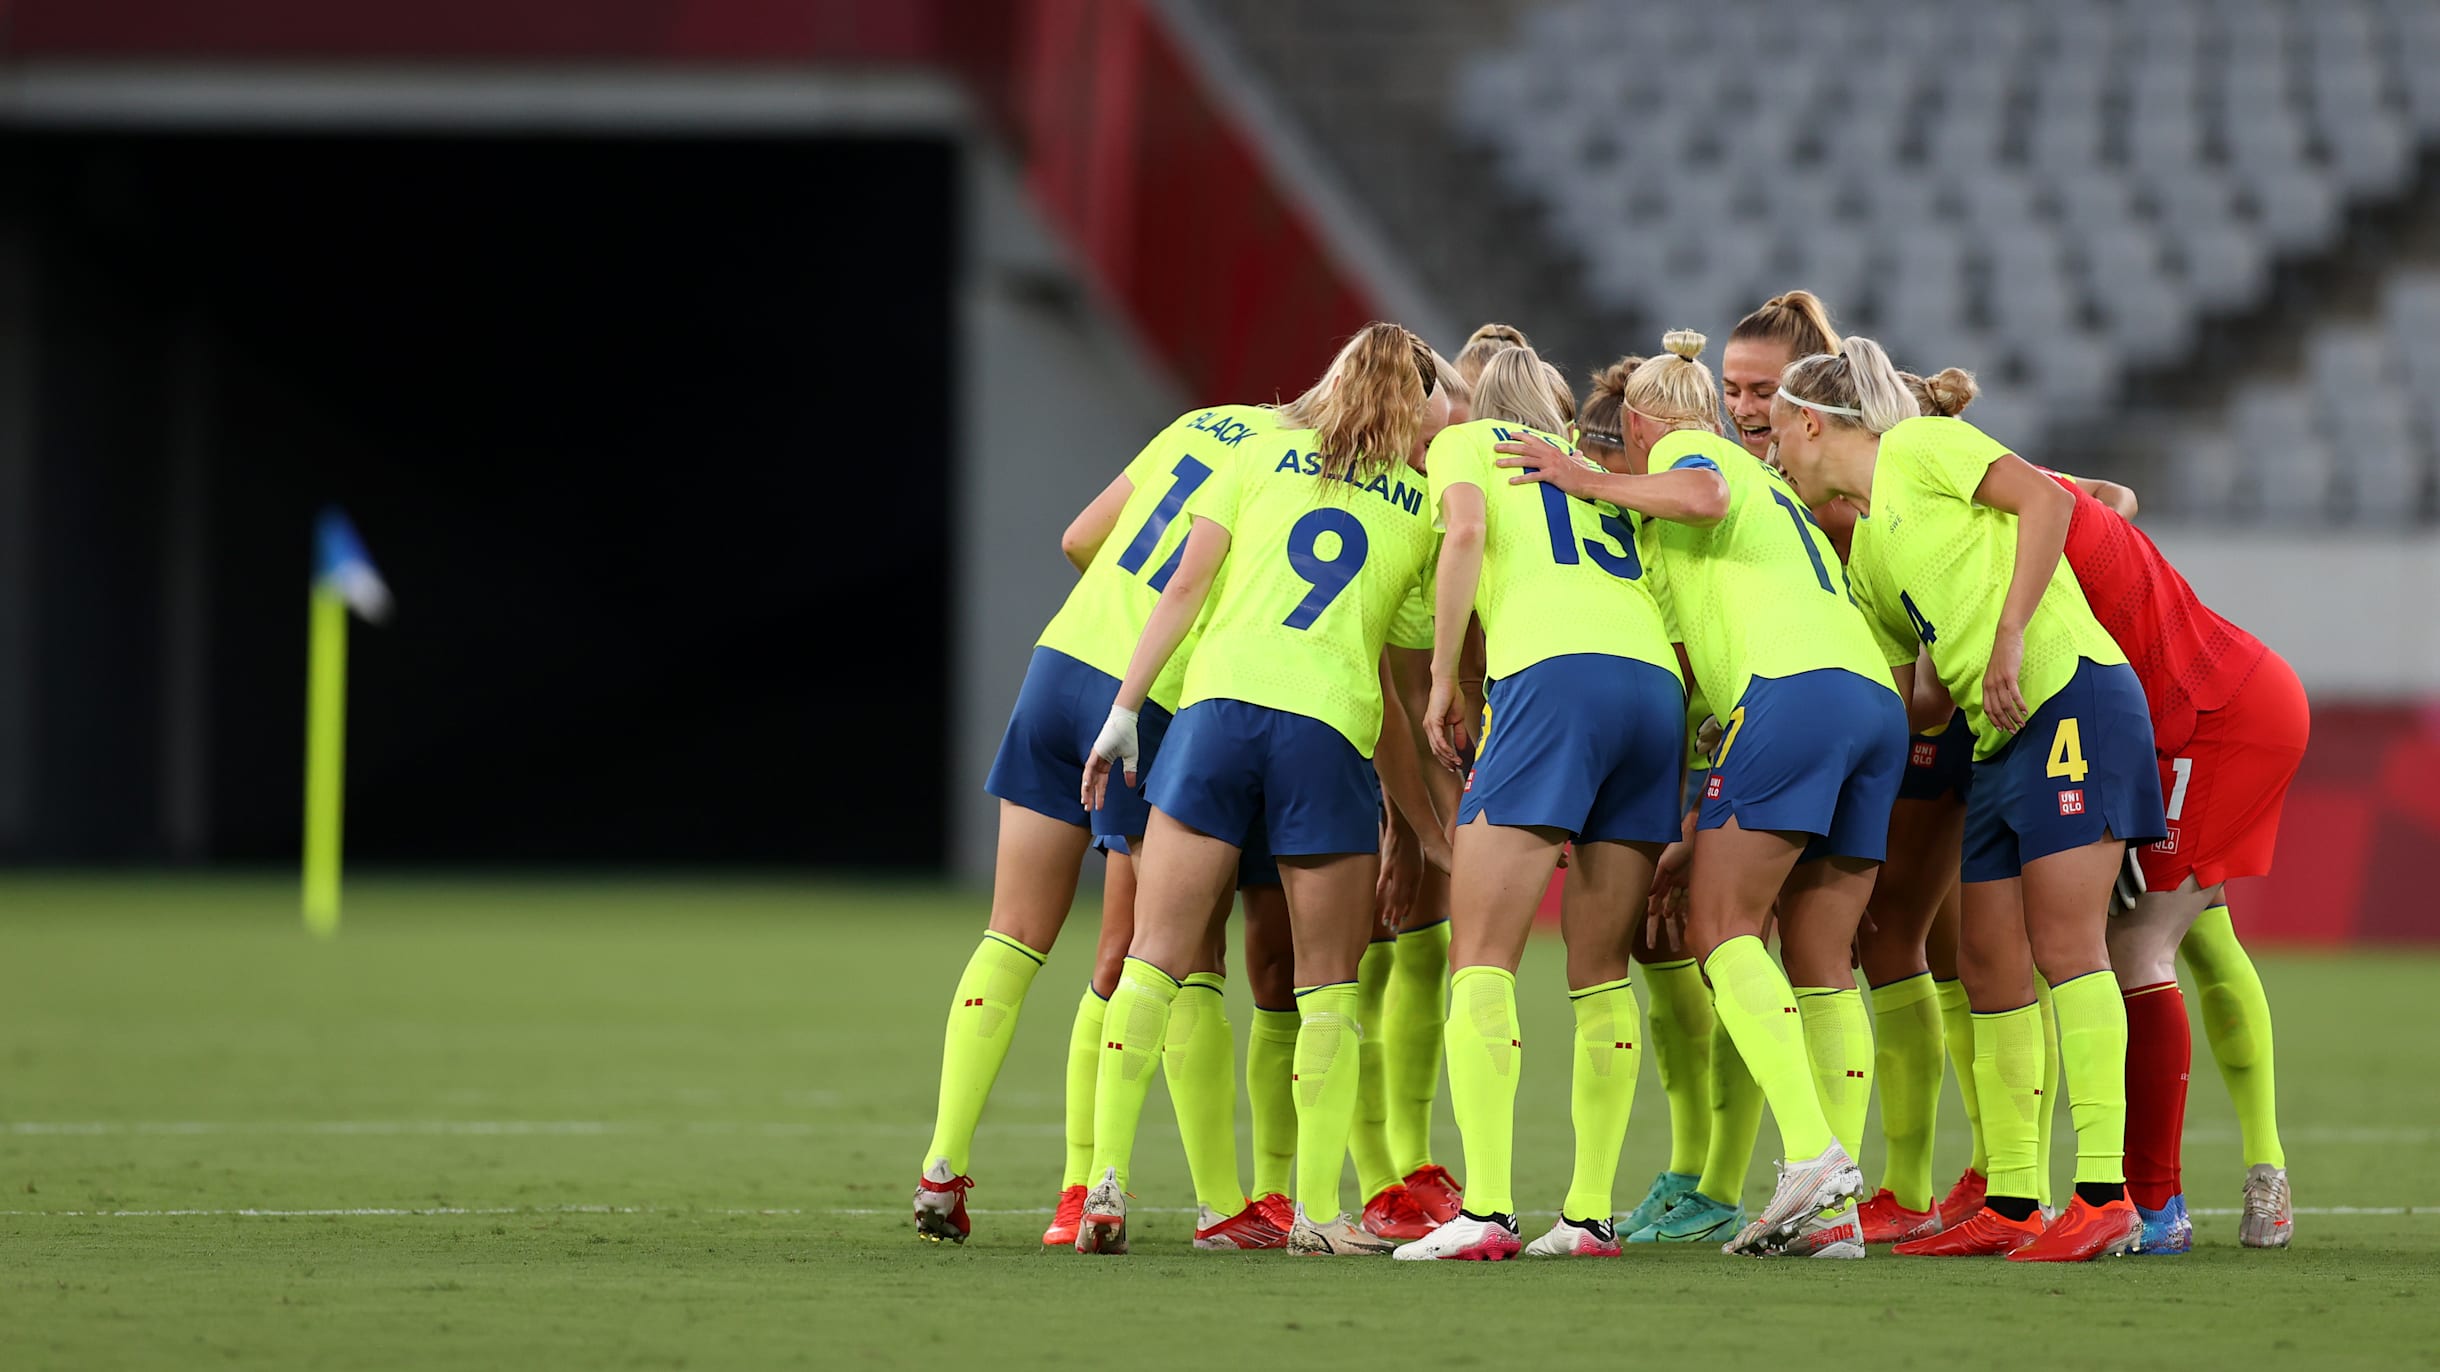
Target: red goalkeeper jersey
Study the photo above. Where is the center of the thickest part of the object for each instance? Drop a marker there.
(2188, 658)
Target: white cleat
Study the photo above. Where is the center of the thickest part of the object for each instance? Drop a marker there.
(1465, 1239)
(2269, 1219)
(1833, 1233)
(1103, 1226)
(1336, 1237)
(940, 1203)
(1576, 1239)
(1805, 1189)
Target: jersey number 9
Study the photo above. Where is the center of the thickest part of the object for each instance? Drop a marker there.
(1329, 575)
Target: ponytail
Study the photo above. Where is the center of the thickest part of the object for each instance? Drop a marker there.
(1857, 387)
(1368, 407)
(1944, 394)
(1796, 320)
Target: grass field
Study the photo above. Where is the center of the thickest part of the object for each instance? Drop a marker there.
(646, 1124)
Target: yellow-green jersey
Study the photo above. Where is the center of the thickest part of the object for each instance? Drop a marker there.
(1931, 567)
(1560, 575)
(1759, 593)
(1321, 574)
(1105, 613)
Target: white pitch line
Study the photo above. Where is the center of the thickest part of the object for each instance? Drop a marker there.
(2369, 1135)
(448, 1211)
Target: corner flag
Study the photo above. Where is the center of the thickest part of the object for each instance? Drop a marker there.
(344, 579)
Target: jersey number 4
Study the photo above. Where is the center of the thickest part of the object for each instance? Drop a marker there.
(1190, 476)
(1619, 561)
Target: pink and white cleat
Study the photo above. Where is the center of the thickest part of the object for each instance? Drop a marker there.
(1576, 1239)
(940, 1204)
(1102, 1228)
(1466, 1239)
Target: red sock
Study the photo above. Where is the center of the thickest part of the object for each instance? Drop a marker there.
(2160, 1047)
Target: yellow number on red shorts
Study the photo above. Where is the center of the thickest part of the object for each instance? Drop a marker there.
(2067, 752)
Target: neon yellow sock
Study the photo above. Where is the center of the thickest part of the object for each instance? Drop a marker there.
(1083, 1069)
(1957, 1036)
(1270, 1069)
(2008, 1083)
(1609, 1025)
(1199, 1059)
(1329, 1069)
(2093, 1045)
(2046, 1124)
(1680, 1032)
(1906, 1063)
(1838, 1048)
(1410, 1036)
(2237, 1024)
(982, 1022)
(1369, 1141)
(1735, 1111)
(1753, 999)
(1485, 1046)
(1134, 1027)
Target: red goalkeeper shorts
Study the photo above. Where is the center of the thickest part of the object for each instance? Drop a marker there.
(2224, 789)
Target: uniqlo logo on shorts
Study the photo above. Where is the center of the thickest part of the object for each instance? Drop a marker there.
(1925, 754)
(1711, 788)
(2071, 802)
(2169, 844)
(1469, 778)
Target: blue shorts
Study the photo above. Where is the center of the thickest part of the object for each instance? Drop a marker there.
(1255, 865)
(1247, 774)
(2080, 769)
(1060, 710)
(1588, 743)
(1937, 764)
(1816, 753)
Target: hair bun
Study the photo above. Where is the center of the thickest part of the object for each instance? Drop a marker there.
(1948, 392)
(1685, 343)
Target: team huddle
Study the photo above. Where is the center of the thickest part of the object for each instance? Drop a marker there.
(1845, 670)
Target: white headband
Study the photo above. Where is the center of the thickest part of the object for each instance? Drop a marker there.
(1794, 399)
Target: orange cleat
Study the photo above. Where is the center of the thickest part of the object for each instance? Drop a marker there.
(1435, 1192)
(1248, 1229)
(1062, 1233)
(2087, 1231)
(1963, 1199)
(1395, 1216)
(1986, 1234)
(1886, 1221)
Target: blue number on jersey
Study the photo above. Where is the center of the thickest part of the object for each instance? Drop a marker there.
(1800, 518)
(1190, 475)
(1923, 627)
(1619, 561)
(1329, 575)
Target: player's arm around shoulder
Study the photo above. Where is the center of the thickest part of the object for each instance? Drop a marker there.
(1091, 527)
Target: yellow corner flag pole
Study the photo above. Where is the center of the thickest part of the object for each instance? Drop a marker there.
(344, 580)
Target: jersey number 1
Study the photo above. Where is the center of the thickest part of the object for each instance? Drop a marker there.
(1190, 476)
(1821, 571)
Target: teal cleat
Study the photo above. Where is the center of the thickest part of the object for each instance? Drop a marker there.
(1667, 1189)
(1695, 1218)
(2166, 1231)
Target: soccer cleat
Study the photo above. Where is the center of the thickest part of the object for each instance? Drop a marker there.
(1665, 1192)
(1693, 1219)
(1248, 1229)
(1435, 1192)
(1886, 1221)
(1806, 1188)
(1466, 1239)
(1336, 1237)
(1278, 1209)
(1062, 1233)
(1963, 1199)
(1102, 1227)
(940, 1204)
(2166, 1231)
(1984, 1234)
(2270, 1217)
(1576, 1239)
(1395, 1216)
(2087, 1231)
(1831, 1233)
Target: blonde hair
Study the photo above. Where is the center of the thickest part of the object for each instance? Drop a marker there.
(1457, 388)
(1484, 344)
(1368, 407)
(1859, 378)
(1561, 394)
(1513, 387)
(1795, 320)
(1944, 394)
(1602, 421)
(1673, 388)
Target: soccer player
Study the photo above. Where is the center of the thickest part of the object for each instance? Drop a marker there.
(1795, 812)
(2229, 727)
(1044, 829)
(1315, 553)
(1587, 707)
(1958, 549)
(1482, 345)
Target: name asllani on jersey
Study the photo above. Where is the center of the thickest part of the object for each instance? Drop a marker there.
(1405, 497)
